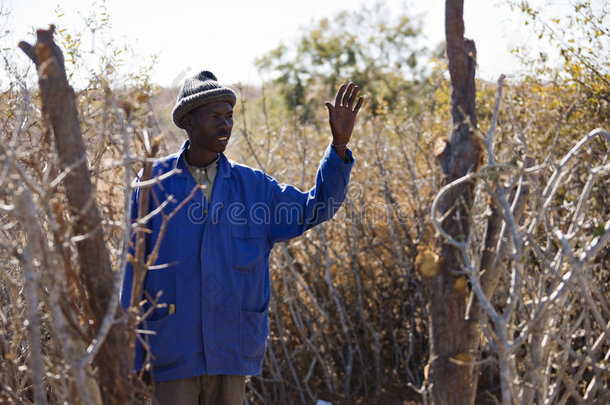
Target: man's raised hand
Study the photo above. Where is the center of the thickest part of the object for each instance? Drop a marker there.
(342, 115)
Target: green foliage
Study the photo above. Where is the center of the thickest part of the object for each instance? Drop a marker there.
(581, 38)
(379, 53)
(94, 57)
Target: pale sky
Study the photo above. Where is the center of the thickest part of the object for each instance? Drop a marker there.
(225, 36)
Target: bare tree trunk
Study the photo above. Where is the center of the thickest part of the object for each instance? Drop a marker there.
(59, 108)
(450, 376)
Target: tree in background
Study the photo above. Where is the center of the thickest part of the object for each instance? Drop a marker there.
(380, 52)
(575, 60)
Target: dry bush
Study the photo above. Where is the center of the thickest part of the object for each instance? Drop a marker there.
(348, 313)
(348, 316)
(545, 327)
(49, 337)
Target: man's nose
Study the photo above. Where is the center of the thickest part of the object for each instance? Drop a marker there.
(225, 123)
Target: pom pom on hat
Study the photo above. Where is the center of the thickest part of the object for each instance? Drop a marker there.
(198, 90)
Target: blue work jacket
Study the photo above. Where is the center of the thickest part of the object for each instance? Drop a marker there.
(212, 270)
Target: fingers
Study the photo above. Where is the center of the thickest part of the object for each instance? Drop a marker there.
(352, 96)
(339, 96)
(359, 104)
(346, 96)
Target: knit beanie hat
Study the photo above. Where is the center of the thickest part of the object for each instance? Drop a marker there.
(199, 90)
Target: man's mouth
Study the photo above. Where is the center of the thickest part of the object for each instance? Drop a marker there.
(223, 138)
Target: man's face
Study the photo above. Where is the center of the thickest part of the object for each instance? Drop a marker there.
(209, 127)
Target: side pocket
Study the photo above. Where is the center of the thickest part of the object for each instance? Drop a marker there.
(164, 344)
(254, 328)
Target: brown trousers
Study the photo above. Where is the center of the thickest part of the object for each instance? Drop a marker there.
(202, 390)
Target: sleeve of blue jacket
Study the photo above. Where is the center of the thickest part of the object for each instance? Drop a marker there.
(294, 212)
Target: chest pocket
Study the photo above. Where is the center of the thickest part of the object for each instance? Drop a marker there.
(248, 246)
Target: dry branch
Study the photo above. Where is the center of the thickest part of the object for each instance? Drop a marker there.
(450, 382)
(59, 109)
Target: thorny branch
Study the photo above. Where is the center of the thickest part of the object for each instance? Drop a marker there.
(522, 238)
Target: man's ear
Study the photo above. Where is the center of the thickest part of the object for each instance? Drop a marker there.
(187, 122)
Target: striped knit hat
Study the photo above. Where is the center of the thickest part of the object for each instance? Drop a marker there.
(197, 91)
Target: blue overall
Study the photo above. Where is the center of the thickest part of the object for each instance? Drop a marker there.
(212, 268)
